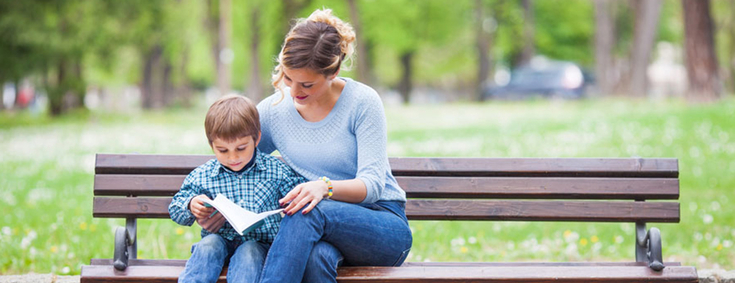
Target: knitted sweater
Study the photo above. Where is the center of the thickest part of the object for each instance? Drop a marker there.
(349, 143)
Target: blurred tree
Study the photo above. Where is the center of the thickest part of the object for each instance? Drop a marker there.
(361, 48)
(701, 59)
(647, 14)
(255, 89)
(604, 45)
(723, 13)
(225, 55)
(529, 45)
(484, 41)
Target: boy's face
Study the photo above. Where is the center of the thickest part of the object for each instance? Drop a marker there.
(235, 154)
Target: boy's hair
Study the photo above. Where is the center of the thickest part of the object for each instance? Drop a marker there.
(232, 117)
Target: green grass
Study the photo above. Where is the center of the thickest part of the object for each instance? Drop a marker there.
(47, 176)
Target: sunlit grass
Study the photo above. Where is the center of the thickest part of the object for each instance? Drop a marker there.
(47, 177)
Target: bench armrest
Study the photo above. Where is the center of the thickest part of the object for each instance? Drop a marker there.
(125, 244)
(648, 246)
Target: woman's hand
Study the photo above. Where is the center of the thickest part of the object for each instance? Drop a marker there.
(310, 193)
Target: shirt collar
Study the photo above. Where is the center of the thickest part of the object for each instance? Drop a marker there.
(259, 166)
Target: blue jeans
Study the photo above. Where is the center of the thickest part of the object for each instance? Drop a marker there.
(309, 248)
(213, 252)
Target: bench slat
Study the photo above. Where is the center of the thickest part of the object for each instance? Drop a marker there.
(501, 273)
(412, 166)
(420, 209)
(444, 187)
(182, 262)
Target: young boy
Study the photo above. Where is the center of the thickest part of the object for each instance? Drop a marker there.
(246, 176)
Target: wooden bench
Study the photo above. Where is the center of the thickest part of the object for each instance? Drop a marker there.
(482, 189)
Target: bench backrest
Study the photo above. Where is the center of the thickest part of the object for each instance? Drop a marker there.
(511, 189)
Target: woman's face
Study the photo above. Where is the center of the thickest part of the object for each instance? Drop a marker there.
(306, 85)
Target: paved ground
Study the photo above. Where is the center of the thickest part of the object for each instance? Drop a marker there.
(38, 278)
(705, 276)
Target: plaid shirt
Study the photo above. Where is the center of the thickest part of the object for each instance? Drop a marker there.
(257, 189)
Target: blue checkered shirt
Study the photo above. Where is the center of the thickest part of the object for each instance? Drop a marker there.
(257, 189)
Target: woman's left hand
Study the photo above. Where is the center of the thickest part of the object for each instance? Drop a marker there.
(310, 193)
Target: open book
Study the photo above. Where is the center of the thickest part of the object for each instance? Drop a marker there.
(242, 220)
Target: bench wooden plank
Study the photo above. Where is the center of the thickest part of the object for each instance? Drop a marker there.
(419, 209)
(182, 262)
(412, 166)
(499, 273)
(445, 187)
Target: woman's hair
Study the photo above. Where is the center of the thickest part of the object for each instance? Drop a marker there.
(230, 118)
(322, 43)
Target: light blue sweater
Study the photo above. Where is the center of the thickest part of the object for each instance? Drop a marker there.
(349, 143)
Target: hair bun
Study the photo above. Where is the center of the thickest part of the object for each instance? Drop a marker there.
(346, 33)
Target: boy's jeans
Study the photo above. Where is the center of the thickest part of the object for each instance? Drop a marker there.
(309, 248)
(211, 253)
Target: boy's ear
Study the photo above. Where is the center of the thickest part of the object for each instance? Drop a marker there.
(258, 141)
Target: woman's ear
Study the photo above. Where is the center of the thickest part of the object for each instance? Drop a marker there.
(333, 76)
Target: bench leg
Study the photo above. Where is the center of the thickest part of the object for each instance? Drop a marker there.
(126, 245)
(648, 246)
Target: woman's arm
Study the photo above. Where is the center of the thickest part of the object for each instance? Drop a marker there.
(311, 193)
(372, 163)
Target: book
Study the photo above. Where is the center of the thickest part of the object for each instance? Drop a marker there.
(242, 220)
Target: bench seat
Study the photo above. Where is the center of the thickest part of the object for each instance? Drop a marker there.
(100, 270)
(628, 190)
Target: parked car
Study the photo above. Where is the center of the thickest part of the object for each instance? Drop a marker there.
(542, 78)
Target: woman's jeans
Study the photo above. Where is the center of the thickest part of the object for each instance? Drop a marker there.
(310, 247)
(211, 254)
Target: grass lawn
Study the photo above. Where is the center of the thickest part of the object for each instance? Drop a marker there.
(47, 168)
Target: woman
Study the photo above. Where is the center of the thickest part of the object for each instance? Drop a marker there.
(331, 130)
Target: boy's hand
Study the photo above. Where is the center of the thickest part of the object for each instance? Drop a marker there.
(212, 224)
(203, 213)
(196, 205)
(309, 193)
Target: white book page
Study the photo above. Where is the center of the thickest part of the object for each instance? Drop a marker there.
(240, 218)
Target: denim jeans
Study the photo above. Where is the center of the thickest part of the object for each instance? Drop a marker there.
(213, 252)
(309, 248)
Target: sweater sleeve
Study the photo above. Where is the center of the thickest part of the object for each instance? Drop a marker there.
(266, 141)
(372, 157)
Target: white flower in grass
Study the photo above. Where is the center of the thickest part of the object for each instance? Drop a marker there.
(472, 240)
(65, 270)
(707, 218)
(7, 231)
(727, 243)
(698, 236)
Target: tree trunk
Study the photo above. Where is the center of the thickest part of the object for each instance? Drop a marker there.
(604, 43)
(255, 85)
(291, 8)
(730, 60)
(701, 60)
(647, 13)
(483, 50)
(529, 48)
(406, 84)
(153, 79)
(362, 65)
(224, 54)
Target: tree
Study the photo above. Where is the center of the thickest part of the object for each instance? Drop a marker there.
(363, 68)
(604, 45)
(644, 36)
(483, 37)
(701, 60)
(529, 48)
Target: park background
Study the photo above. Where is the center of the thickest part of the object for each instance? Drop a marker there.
(86, 77)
